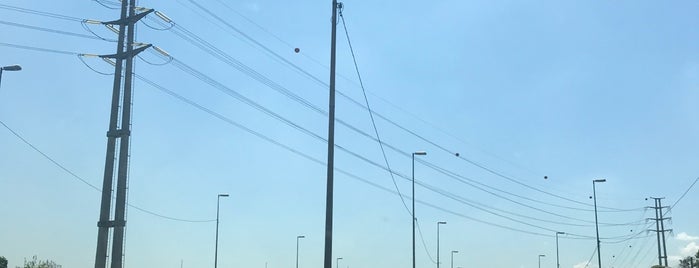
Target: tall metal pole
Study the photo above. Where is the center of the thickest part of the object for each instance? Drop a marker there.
(297, 249)
(413, 211)
(540, 256)
(452, 257)
(413, 214)
(122, 172)
(558, 263)
(438, 223)
(116, 165)
(594, 194)
(331, 145)
(104, 223)
(657, 231)
(662, 228)
(218, 204)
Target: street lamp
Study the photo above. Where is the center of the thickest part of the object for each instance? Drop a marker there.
(414, 219)
(540, 256)
(337, 262)
(558, 263)
(439, 223)
(9, 68)
(452, 257)
(297, 249)
(218, 203)
(594, 195)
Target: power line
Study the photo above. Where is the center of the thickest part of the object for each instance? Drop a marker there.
(381, 98)
(591, 257)
(84, 181)
(48, 157)
(424, 245)
(635, 261)
(38, 49)
(306, 156)
(216, 84)
(48, 30)
(212, 50)
(199, 75)
(41, 13)
(683, 195)
(288, 93)
(277, 56)
(212, 82)
(371, 115)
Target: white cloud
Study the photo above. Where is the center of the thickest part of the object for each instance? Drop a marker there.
(690, 249)
(686, 237)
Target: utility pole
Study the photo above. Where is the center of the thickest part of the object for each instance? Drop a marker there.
(660, 229)
(119, 130)
(594, 195)
(558, 262)
(438, 223)
(331, 143)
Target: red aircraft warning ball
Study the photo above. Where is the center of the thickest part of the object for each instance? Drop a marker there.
(297, 50)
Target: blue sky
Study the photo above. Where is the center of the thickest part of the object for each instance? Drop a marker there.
(571, 90)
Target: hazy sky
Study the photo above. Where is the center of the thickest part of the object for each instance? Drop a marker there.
(571, 90)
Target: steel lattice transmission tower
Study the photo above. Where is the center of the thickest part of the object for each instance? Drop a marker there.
(116, 163)
(660, 230)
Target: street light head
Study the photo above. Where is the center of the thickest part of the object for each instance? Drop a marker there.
(420, 153)
(560, 233)
(223, 195)
(600, 180)
(340, 258)
(442, 222)
(454, 251)
(542, 255)
(12, 68)
(301, 236)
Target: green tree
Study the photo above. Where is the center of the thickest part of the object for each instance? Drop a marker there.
(36, 263)
(686, 263)
(3, 262)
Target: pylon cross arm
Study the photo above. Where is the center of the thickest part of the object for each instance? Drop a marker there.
(130, 19)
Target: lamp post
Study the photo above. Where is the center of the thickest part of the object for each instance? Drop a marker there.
(297, 249)
(218, 204)
(414, 218)
(541, 256)
(558, 263)
(452, 257)
(594, 195)
(439, 223)
(337, 262)
(9, 68)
